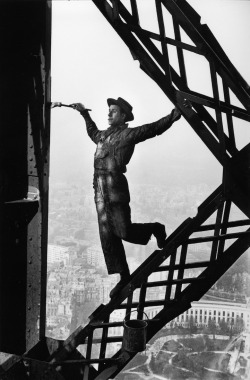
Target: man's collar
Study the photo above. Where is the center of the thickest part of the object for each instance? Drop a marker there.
(119, 127)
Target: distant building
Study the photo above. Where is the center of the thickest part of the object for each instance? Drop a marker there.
(95, 256)
(218, 311)
(80, 293)
(58, 253)
(201, 312)
(51, 309)
(104, 286)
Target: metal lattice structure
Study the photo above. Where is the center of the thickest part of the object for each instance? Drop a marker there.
(182, 279)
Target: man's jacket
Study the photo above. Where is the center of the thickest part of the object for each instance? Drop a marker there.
(115, 145)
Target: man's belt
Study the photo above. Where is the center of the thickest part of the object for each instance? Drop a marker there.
(115, 171)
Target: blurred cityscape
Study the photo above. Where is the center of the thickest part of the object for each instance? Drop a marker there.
(77, 275)
(78, 281)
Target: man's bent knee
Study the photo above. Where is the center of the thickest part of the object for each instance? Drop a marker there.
(122, 233)
(121, 230)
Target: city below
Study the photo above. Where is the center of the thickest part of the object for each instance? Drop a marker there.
(78, 283)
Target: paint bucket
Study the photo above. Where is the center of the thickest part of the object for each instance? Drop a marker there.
(135, 334)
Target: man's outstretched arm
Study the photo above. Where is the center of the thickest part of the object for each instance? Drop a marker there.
(148, 131)
(156, 128)
(92, 130)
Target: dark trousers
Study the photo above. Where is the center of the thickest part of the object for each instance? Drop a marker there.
(114, 219)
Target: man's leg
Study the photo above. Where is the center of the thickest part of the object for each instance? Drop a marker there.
(141, 233)
(112, 246)
(118, 196)
(136, 233)
(113, 249)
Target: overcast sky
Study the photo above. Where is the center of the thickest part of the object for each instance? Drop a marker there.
(90, 63)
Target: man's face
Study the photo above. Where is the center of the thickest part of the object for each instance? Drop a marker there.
(115, 116)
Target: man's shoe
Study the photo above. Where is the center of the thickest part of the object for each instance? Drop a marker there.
(123, 281)
(160, 234)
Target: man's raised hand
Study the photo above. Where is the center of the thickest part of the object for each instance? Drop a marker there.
(78, 107)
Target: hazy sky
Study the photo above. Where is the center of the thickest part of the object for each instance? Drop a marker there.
(90, 63)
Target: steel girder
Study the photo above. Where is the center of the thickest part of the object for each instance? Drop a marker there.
(25, 122)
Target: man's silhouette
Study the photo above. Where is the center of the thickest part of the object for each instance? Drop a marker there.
(115, 147)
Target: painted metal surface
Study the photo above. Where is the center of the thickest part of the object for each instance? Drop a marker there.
(25, 73)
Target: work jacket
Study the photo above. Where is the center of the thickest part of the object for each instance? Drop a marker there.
(115, 145)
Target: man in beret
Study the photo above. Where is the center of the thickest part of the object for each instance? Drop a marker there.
(115, 147)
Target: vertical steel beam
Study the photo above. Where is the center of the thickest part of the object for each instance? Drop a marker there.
(168, 292)
(181, 271)
(135, 13)
(229, 117)
(180, 53)
(217, 110)
(215, 243)
(25, 121)
(166, 64)
(226, 214)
